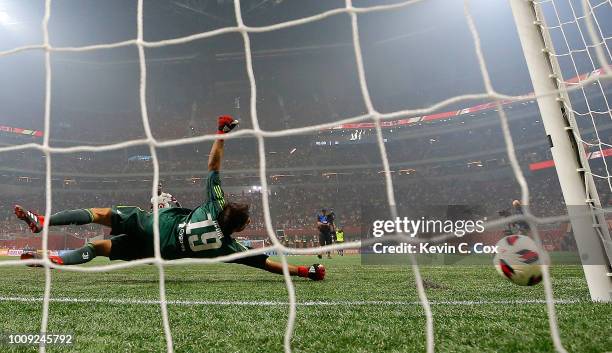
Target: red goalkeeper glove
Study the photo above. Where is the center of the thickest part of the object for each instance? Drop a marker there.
(225, 124)
(315, 272)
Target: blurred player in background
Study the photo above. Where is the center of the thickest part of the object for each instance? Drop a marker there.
(325, 235)
(204, 232)
(519, 227)
(340, 240)
(331, 218)
(164, 199)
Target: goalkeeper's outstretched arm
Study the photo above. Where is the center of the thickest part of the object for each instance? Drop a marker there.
(216, 154)
(315, 272)
(225, 124)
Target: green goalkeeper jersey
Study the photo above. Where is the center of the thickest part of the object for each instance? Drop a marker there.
(197, 234)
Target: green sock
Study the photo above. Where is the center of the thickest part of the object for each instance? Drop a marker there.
(78, 217)
(79, 256)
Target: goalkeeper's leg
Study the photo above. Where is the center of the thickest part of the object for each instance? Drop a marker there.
(76, 256)
(70, 217)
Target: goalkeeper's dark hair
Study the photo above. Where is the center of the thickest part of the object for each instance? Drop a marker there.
(233, 217)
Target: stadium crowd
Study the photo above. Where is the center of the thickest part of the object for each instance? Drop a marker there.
(456, 160)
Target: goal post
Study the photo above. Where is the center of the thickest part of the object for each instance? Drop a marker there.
(590, 228)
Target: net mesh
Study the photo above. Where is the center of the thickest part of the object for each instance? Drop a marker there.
(588, 104)
(595, 40)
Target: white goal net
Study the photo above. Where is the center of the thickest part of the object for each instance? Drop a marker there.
(586, 74)
(580, 40)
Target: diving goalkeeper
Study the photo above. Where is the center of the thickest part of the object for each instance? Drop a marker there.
(203, 232)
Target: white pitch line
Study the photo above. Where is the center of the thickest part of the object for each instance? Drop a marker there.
(278, 303)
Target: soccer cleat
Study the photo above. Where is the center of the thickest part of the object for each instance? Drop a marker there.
(33, 220)
(33, 255)
(225, 124)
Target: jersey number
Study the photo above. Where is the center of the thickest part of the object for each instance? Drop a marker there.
(202, 236)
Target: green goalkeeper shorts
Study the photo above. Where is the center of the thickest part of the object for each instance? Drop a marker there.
(129, 220)
(131, 228)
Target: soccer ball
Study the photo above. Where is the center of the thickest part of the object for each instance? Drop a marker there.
(518, 260)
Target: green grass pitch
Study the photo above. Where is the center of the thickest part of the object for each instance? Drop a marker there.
(232, 308)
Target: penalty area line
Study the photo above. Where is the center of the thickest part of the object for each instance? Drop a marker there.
(278, 303)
